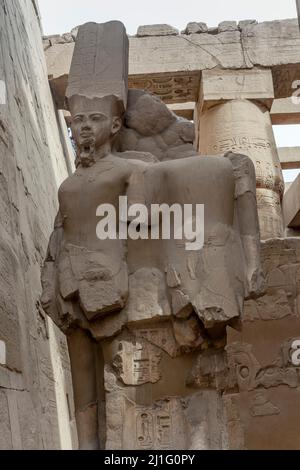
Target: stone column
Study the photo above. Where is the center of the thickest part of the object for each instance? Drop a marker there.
(233, 115)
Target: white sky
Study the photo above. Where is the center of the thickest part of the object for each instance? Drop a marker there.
(60, 16)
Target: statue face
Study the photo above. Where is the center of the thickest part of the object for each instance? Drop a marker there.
(92, 129)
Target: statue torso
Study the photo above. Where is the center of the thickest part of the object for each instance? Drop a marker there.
(82, 193)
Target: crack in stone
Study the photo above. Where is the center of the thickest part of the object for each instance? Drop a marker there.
(203, 49)
(14, 389)
(247, 60)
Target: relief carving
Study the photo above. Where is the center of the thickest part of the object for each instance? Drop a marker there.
(248, 374)
(137, 362)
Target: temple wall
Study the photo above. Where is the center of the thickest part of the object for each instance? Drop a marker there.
(35, 383)
(243, 396)
(262, 406)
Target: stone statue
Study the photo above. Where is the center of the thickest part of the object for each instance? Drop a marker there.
(138, 313)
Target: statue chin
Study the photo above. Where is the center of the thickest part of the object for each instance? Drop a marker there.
(86, 156)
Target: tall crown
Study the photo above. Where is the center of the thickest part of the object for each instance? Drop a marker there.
(99, 66)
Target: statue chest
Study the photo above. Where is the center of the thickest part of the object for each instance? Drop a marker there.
(89, 187)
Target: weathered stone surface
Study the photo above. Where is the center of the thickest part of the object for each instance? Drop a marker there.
(221, 85)
(270, 44)
(289, 157)
(248, 374)
(243, 23)
(260, 358)
(150, 382)
(181, 304)
(213, 30)
(263, 407)
(161, 336)
(141, 103)
(166, 137)
(193, 422)
(209, 371)
(57, 39)
(248, 130)
(235, 438)
(32, 166)
(261, 375)
(74, 33)
(148, 298)
(108, 326)
(156, 30)
(195, 28)
(137, 362)
(261, 49)
(285, 111)
(177, 302)
(280, 260)
(291, 205)
(227, 26)
(187, 333)
(185, 110)
(93, 74)
(100, 281)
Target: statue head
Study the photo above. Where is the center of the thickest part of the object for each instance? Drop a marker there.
(95, 124)
(97, 88)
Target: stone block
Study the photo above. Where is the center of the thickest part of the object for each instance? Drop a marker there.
(227, 26)
(289, 157)
(156, 30)
(285, 111)
(160, 59)
(224, 85)
(261, 47)
(291, 205)
(93, 74)
(195, 28)
(242, 24)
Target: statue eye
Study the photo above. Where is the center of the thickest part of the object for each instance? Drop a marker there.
(77, 119)
(96, 117)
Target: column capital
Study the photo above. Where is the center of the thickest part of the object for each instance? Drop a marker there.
(219, 86)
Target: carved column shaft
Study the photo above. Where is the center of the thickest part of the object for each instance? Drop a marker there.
(229, 119)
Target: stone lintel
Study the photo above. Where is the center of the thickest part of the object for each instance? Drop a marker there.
(178, 87)
(289, 157)
(273, 45)
(218, 86)
(285, 111)
(156, 30)
(285, 79)
(184, 110)
(291, 205)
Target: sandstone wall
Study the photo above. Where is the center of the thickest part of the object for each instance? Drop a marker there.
(34, 370)
(263, 405)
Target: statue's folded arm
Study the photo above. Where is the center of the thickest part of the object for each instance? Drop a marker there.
(246, 218)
